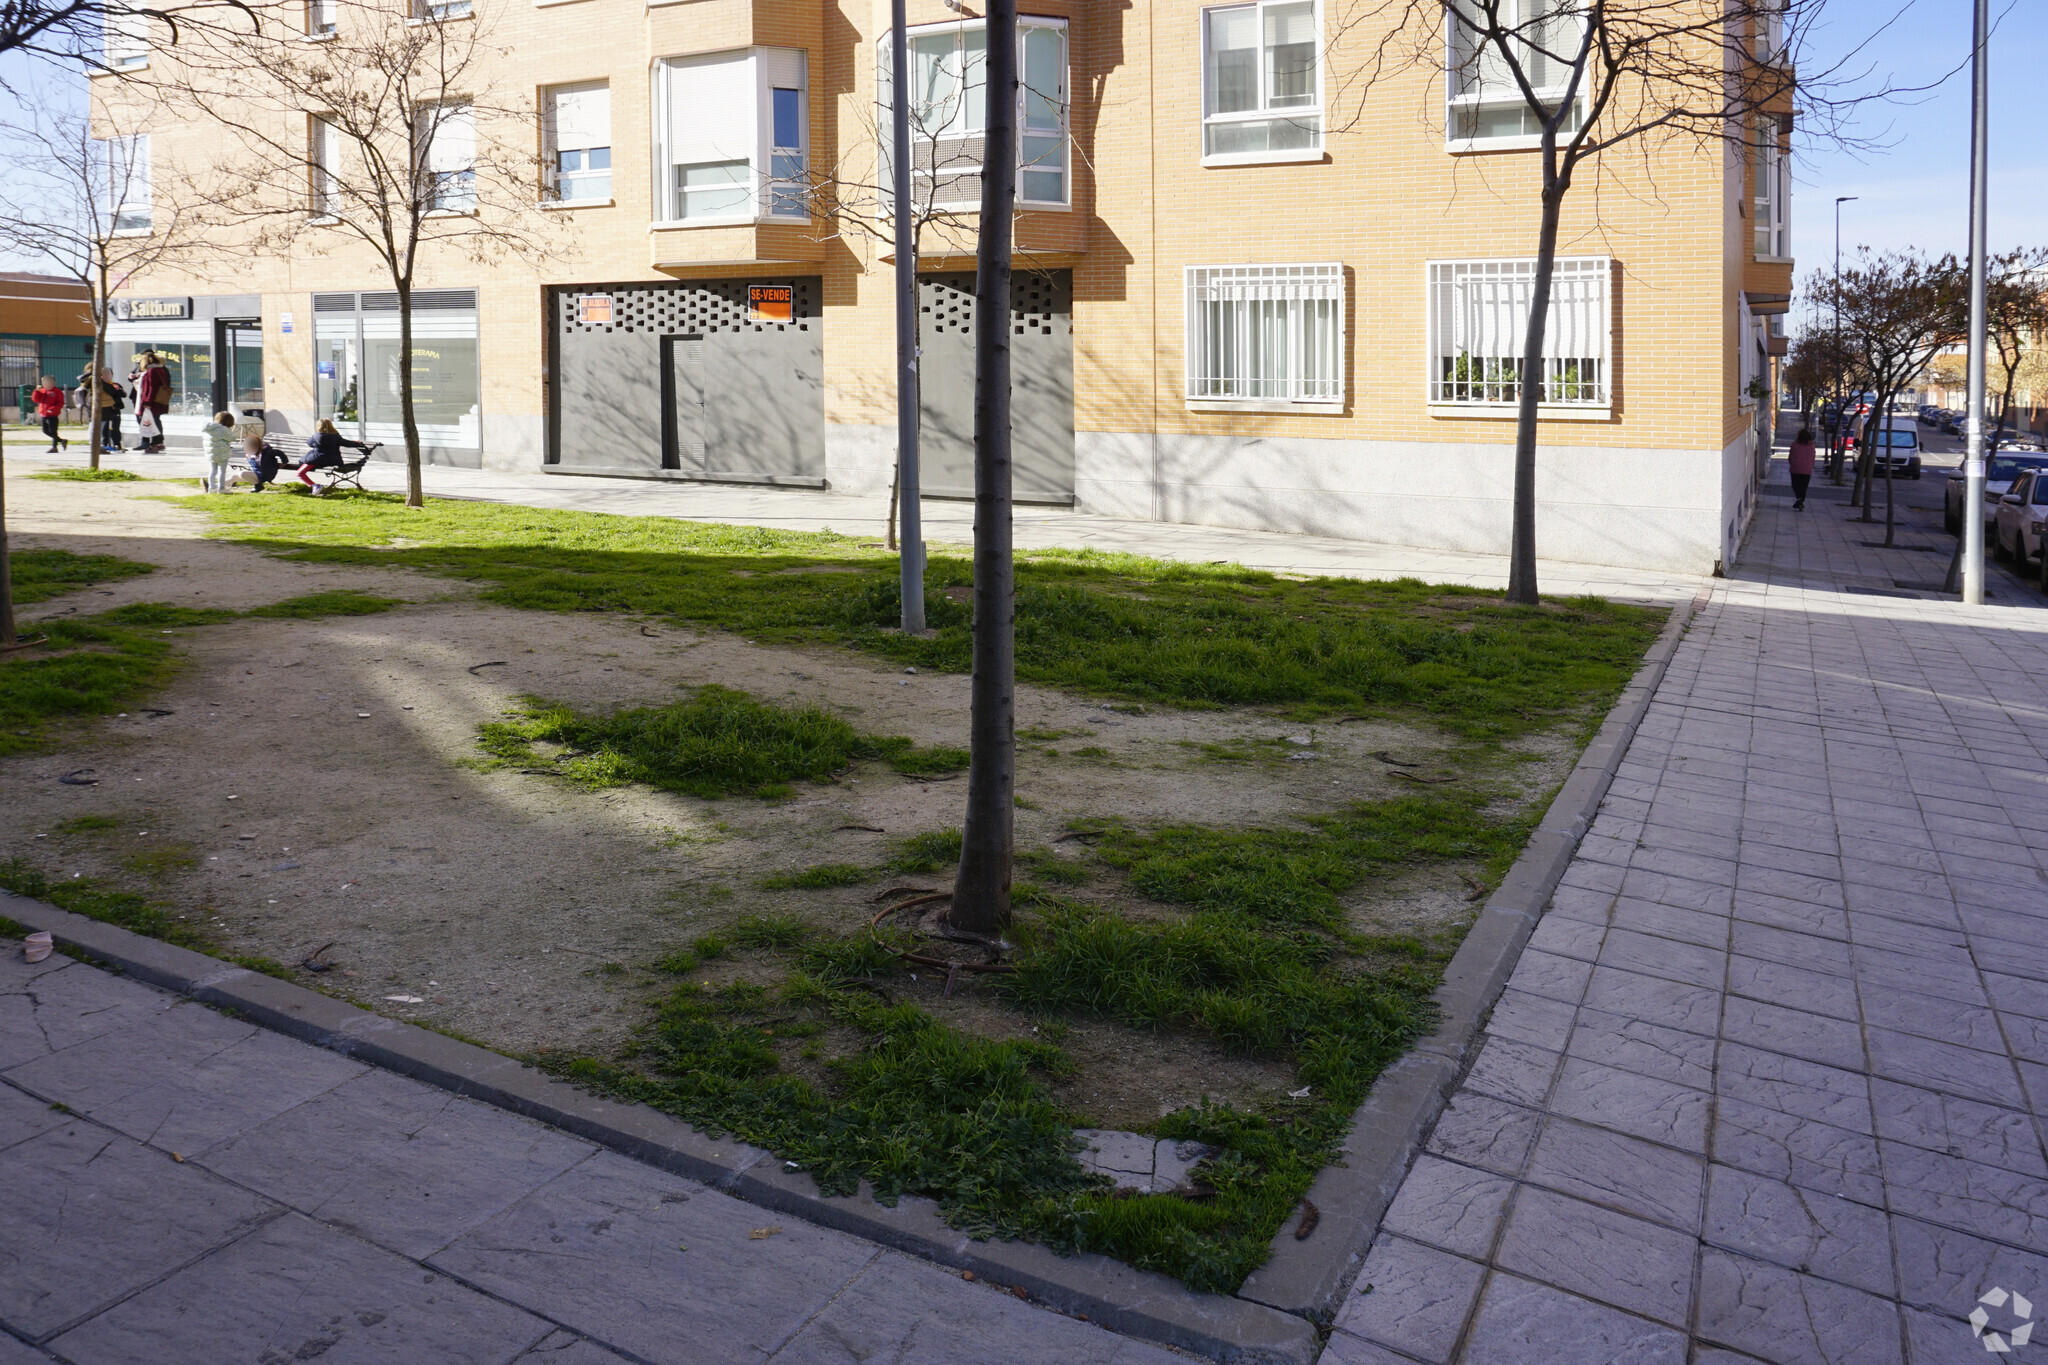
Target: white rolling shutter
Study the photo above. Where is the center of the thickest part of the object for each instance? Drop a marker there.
(712, 109)
(580, 116)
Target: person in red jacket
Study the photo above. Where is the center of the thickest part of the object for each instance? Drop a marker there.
(153, 396)
(49, 401)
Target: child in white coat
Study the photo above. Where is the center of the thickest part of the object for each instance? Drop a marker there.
(220, 435)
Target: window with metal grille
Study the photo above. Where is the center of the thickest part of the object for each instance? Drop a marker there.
(1271, 333)
(1479, 315)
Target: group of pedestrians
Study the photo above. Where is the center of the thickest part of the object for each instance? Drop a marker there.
(104, 398)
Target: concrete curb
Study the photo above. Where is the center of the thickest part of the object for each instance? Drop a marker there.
(1308, 1277)
(1274, 1317)
(1135, 1302)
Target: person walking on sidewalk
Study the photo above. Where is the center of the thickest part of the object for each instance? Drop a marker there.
(111, 396)
(49, 401)
(220, 435)
(152, 402)
(1800, 460)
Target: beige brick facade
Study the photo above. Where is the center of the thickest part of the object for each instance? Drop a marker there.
(1661, 478)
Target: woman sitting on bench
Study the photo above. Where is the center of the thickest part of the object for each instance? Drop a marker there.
(325, 453)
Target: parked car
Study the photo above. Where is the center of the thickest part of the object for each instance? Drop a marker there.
(2000, 471)
(1951, 424)
(1927, 413)
(2018, 516)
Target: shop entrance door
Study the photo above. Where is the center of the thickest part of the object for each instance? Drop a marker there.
(743, 406)
(238, 378)
(685, 422)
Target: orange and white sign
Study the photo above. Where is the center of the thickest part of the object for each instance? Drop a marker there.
(770, 302)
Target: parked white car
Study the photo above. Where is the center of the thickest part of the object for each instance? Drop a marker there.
(2016, 524)
(1999, 472)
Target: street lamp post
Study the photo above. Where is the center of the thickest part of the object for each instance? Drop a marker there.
(1835, 455)
(909, 510)
(1973, 453)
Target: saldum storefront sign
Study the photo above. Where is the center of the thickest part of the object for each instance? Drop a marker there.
(151, 310)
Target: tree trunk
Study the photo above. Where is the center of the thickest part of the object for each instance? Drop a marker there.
(7, 635)
(981, 891)
(1522, 545)
(415, 495)
(895, 483)
(94, 364)
(1883, 429)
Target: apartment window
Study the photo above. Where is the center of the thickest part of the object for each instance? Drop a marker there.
(735, 137)
(128, 190)
(1770, 30)
(448, 136)
(319, 17)
(324, 156)
(1771, 190)
(1486, 105)
(125, 40)
(579, 141)
(1262, 95)
(949, 107)
(1265, 333)
(1479, 318)
(444, 9)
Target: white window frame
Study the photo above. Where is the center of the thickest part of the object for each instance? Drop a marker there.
(766, 194)
(553, 145)
(1496, 391)
(1263, 113)
(1770, 193)
(1302, 299)
(439, 11)
(127, 171)
(320, 18)
(965, 167)
(439, 118)
(125, 41)
(1457, 101)
(323, 139)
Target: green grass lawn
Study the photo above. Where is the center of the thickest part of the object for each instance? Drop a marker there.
(1110, 625)
(1237, 936)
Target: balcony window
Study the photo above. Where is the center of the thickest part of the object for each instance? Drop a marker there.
(1486, 108)
(1479, 317)
(1262, 97)
(448, 137)
(126, 161)
(578, 132)
(125, 40)
(324, 156)
(735, 137)
(949, 107)
(1771, 191)
(1265, 334)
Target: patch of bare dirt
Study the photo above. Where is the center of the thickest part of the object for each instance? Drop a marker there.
(319, 775)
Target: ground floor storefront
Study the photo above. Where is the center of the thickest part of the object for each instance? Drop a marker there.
(767, 378)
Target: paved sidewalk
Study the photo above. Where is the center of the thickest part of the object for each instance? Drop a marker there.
(953, 522)
(181, 1188)
(1768, 1083)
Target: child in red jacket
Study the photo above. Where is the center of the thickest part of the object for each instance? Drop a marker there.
(49, 401)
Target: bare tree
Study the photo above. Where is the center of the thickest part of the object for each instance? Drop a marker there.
(981, 890)
(1823, 366)
(105, 35)
(1586, 78)
(380, 136)
(84, 204)
(1897, 310)
(2016, 318)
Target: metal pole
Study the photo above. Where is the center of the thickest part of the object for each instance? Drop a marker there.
(1835, 439)
(911, 539)
(1973, 452)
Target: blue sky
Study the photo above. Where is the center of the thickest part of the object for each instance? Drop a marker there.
(1914, 190)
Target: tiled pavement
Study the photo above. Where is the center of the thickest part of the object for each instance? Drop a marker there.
(1769, 1082)
(181, 1188)
(952, 521)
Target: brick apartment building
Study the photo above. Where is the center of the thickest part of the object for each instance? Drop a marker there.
(1252, 291)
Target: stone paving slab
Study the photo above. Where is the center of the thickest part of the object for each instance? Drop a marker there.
(177, 1185)
(1769, 1083)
